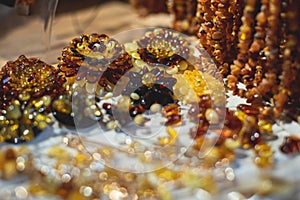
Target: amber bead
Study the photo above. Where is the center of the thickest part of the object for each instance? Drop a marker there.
(133, 111)
(108, 108)
(290, 145)
(264, 155)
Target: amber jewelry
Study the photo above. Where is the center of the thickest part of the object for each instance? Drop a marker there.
(288, 80)
(184, 12)
(253, 71)
(163, 47)
(218, 24)
(96, 61)
(27, 79)
(269, 82)
(28, 87)
(15, 162)
(245, 37)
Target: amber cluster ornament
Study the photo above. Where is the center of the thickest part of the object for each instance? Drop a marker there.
(163, 47)
(95, 61)
(28, 86)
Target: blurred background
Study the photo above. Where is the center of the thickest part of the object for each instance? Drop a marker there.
(27, 29)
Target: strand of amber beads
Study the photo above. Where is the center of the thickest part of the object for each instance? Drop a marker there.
(185, 20)
(245, 37)
(289, 44)
(253, 70)
(271, 50)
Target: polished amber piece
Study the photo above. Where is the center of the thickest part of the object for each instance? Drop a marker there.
(174, 119)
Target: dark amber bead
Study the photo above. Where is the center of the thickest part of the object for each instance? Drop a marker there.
(108, 108)
(134, 111)
(205, 101)
(290, 145)
(232, 124)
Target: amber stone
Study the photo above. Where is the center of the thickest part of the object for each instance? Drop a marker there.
(290, 145)
(135, 110)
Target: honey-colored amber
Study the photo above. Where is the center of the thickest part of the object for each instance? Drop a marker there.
(26, 79)
(28, 86)
(163, 46)
(264, 155)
